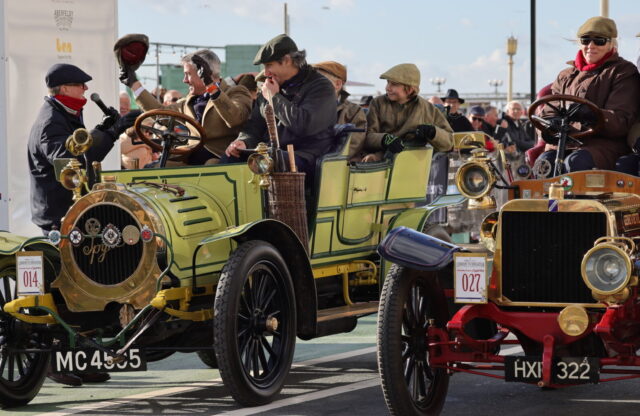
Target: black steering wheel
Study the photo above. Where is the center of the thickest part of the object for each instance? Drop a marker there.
(173, 130)
(563, 114)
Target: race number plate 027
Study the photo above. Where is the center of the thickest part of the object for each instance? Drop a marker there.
(470, 271)
(29, 273)
(565, 370)
(93, 361)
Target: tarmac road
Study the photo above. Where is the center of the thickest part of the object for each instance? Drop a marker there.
(334, 375)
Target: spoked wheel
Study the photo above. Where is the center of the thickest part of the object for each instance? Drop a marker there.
(21, 373)
(254, 323)
(208, 357)
(409, 300)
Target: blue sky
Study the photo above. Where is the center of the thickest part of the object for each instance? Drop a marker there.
(463, 40)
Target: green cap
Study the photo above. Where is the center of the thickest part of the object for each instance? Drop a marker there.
(599, 26)
(275, 49)
(407, 74)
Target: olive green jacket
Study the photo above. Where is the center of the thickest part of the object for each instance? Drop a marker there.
(223, 116)
(401, 120)
(349, 112)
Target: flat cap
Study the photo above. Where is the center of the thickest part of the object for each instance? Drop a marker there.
(407, 74)
(60, 74)
(477, 110)
(598, 25)
(333, 68)
(275, 49)
(131, 50)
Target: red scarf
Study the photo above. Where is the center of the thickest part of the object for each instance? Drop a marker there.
(75, 104)
(582, 64)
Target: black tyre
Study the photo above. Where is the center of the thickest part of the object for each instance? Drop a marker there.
(208, 357)
(254, 323)
(408, 302)
(21, 374)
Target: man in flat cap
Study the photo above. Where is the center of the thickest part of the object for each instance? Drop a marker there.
(348, 112)
(59, 117)
(402, 115)
(304, 103)
(218, 107)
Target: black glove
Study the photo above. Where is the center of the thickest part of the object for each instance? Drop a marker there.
(204, 71)
(392, 143)
(425, 132)
(125, 122)
(108, 121)
(127, 75)
(581, 113)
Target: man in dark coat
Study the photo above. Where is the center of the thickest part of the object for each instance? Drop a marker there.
(456, 119)
(304, 104)
(59, 117)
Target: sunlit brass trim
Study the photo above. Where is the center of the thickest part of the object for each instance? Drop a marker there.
(573, 320)
(488, 230)
(624, 256)
(482, 165)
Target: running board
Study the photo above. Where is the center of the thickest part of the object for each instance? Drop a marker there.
(343, 318)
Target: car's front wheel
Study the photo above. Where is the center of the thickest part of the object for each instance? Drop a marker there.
(254, 323)
(409, 303)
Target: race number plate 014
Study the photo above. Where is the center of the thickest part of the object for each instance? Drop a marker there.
(470, 270)
(29, 273)
(566, 370)
(92, 361)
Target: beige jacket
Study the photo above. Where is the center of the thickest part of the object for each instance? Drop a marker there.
(349, 112)
(401, 120)
(222, 119)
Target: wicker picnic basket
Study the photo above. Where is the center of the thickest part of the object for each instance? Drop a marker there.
(287, 203)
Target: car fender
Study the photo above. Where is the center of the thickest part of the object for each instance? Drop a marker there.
(11, 243)
(295, 256)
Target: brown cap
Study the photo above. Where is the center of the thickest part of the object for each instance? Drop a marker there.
(131, 50)
(601, 26)
(275, 49)
(333, 68)
(407, 74)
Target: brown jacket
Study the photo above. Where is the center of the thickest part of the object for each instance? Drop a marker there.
(401, 120)
(222, 119)
(349, 112)
(615, 88)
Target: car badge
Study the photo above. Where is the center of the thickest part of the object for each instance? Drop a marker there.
(146, 234)
(111, 236)
(131, 235)
(566, 182)
(76, 237)
(524, 171)
(54, 237)
(92, 226)
(553, 205)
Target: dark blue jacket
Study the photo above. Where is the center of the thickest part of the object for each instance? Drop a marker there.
(49, 199)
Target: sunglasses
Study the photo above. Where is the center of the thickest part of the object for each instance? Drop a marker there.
(598, 41)
(477, 119)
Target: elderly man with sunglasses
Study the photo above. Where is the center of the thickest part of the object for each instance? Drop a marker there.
(612, 83)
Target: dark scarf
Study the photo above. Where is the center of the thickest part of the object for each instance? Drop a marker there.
(76, 104)
(582, 64)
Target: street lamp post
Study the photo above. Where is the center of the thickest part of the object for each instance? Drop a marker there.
(512, 47)
(495, 83)
(438, 82)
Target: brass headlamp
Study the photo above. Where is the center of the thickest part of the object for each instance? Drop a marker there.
(73, 178)
(475, 179)
(607, 269)
(261, 164)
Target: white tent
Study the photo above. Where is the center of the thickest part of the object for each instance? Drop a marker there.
(38, 34)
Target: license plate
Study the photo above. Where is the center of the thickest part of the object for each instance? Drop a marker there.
(566, 370)
(93, 361)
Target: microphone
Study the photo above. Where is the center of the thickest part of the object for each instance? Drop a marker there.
(95, 97)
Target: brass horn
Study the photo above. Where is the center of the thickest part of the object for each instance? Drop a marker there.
(79, 142)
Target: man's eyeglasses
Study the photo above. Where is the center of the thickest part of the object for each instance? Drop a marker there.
(598, 41)
(77, 85)
(477, 119)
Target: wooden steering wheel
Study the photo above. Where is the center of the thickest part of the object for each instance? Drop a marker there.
(565, 114)
(172, 129)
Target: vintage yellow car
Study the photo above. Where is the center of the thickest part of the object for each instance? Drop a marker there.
(222, 260)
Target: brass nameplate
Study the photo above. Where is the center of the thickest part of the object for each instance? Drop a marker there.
(594, 180)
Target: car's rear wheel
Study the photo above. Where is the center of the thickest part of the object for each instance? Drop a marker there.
(21, 373)
(254, 323)
(208, 357)
(409, 301)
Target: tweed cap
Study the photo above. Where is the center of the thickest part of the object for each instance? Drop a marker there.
(601, 26)
(333, 68)
(407, 74)
(131, 50)
(275, 49)
(60, 74)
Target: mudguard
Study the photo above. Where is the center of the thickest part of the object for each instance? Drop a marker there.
(413, 249)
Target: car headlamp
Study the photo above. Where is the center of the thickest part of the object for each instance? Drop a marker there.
(474, 179)
(70, 178)
(606, 269)
(260, 163)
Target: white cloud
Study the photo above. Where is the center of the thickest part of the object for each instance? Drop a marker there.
(336, 53)
(342, 4)
(465, 21)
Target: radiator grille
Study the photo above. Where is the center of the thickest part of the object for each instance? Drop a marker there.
(542, 253)
(102, 265)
